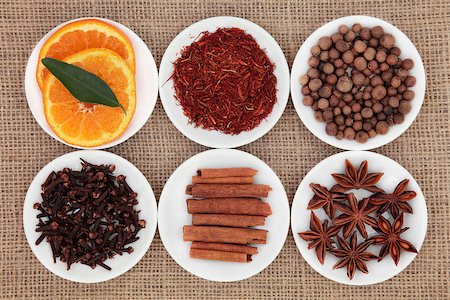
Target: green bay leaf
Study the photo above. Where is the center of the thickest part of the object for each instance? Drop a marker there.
(83, 85)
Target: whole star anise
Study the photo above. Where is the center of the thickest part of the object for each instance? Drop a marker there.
(390, 238)
(353, 256)
(353, 179)
(324, 198)
(320, 236)
(356, 214)
(395, 202)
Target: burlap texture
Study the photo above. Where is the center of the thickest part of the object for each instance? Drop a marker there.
(290, 149)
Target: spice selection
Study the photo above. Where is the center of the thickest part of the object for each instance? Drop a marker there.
(224, 207)
(354, 217)
(357, 83)
(224, 81)
(86, 72)
(88, 216)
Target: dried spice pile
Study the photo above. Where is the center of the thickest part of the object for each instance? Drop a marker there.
(225, 82)
(357, 83)
(88, 216)
(225, 206)
(355, 216)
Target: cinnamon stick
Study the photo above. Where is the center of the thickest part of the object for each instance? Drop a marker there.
(222, 180)
(225, 247)
(227, 220)
(226, 172)
(228, 190)
(220, 255)
(231, 206)
(230, 235)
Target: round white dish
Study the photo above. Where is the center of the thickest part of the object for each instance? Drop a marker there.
(173, 216)
(146, 86)
(215, 139)
(119, 264)
(300, 67)
(393, 174)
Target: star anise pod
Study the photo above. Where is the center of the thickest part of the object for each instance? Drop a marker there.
(355, 214)
(353, 179)
(320, 236)
(395, 202)
(390, 238)
(324, 198)
(353, 256)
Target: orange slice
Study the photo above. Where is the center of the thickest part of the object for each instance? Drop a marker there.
(90, 125)
(80, 35)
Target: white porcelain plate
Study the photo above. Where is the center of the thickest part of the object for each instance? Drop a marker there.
(393, 174)
(300, 67)
(146, 86)
(215, 139)
(119, 264)
(173, 216)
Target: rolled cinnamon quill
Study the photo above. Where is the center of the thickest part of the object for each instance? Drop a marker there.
(227, 220)
(220, 255)
(226, 172)
(228, 190)
(230, 206)
(223, 180)
(225, 247)
(232, 235)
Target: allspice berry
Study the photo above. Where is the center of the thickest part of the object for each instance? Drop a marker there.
(378, 92)
(408, 64)
(349, 133)
(348, 56)
(342, 45)
(360, 63)
(331, 129)
(315, 84)
(308, 100)
(362, 137)
(369, 54)
(399, 118)
(387, 41)
(344, 84)
(328, 68)
(343, 29)
(380, 56)
(356, 27)
(365, 34)
(359, 46)
(315, 51)
(358, 79)
(410, 81)
(404, 107)
(304, 79)
(392, 59)
(395, 82)
(367, 113)
(325, 43)
(409, 95)
(377, 32)
(323, 103)
(382, 127)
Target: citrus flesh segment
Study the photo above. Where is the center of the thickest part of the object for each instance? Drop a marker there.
(80, 35)
(90, 125)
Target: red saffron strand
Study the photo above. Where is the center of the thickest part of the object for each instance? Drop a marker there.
(224, 81)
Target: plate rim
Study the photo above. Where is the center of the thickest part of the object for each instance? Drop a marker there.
(29, 78)
(165, 63)
(150, 197)
(297, 97)
(164, 199)
(342, 155)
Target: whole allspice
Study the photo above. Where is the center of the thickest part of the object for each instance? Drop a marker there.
(358, 83)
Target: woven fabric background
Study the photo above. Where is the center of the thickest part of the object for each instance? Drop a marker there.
(159, 148)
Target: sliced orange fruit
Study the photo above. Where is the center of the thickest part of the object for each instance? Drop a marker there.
(81, 35)
(89, 125)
